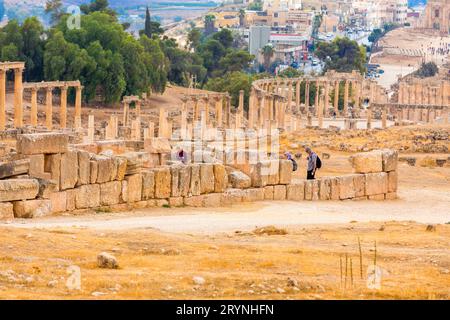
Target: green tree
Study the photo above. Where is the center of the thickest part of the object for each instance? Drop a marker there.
(194, 38)
(268, 52)
(342, 55)
(33, 49)
(236, 60)
(209, 24)
(97, 6)
(225, 37)
(429, 69)
(148, 24)
(290, 73)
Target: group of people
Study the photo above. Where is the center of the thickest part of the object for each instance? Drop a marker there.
(313, 163)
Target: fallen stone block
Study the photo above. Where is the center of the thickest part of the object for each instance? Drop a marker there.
(148, 185)
(335, 190)
(105, 167)
(46, 188)
(110, 193)
(121, 164)
(390, 196)
(253, 194)
(258, 174)
(161, 203)
(53, 165)
(6, 211)
(42, 143)
(308, 189)
(367, 162)
(87, 196)
(390, 159)
(239, 180)
(69, 170)
(93, 170)
(32, 208)
(315, 190)
(295, 191)
(279, 192)
(176, 201)
(163, 186)
(194, 201)
(37, 167)
(14, 168)
(18, 189)
(70, 199)
(212, 200)
(376, 183)
(106, 260)
(359, 183)
(273, 174)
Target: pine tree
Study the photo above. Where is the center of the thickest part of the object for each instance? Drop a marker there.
(148, 24)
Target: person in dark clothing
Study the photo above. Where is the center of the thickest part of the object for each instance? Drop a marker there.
(312, 164)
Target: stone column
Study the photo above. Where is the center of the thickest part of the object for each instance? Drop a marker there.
(219, 112)
(78, 107)
(34, 109)
(228, 110)
(261, 111)
(251, 109)
(289, 96)
(91, 128)
(326, 99)
(320, 109)
(162, 122)
(49, 108)
(384, 117)
(346, 94)
(241, 103)
(316, 98)
(126, 113)
(297, 95)
(18, 98)
(138, 108)
(369, 117)
(307, 96)
(183, 123)
(2, 100)
(63, 110)
(336, 97)
(196, 110)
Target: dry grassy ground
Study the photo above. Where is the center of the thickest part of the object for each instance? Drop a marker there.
(302, 264)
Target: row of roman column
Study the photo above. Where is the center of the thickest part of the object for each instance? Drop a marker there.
(416, 114)
(204, 104)
(270, 100)
(418, 93)
(49, 105)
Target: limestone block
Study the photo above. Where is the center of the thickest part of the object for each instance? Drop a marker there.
(37, 167)
(58, 201)
(148, 185)
(176, 201)
(124, 193)
(46, 188)
(220, 178)
(346, 187)
(42, 143)
(94, 171)
(315, 190)
(232, 196)
(268, 193)
(279, 192)
(212, 200)
(18, 189)
(184, 180)
(194, 189)
(69, 170)
(359, 183)
(367, 162)
(239, 180)
(390, 196)
(134, 187)
(84, 168)
(377, 197)
(325, 189)
(253, 194)
(105, 168)
(295, 191)
(175, 175)
(194, 201)
(390, 159)
(14, 168)
(32, 208)
(110, 193)
(162, 183)
(206, 178)
(335, 190)
(121, 164)
(157, 145)
(161, 203)
(87, 196)
(308, 189)
(392, 181)
(258, 174)
(285, 171)
(70, 199)
(376, 183)
(6, 211)
(53, 165)
(273, 177)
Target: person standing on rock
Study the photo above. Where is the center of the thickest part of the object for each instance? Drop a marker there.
(312, 164)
